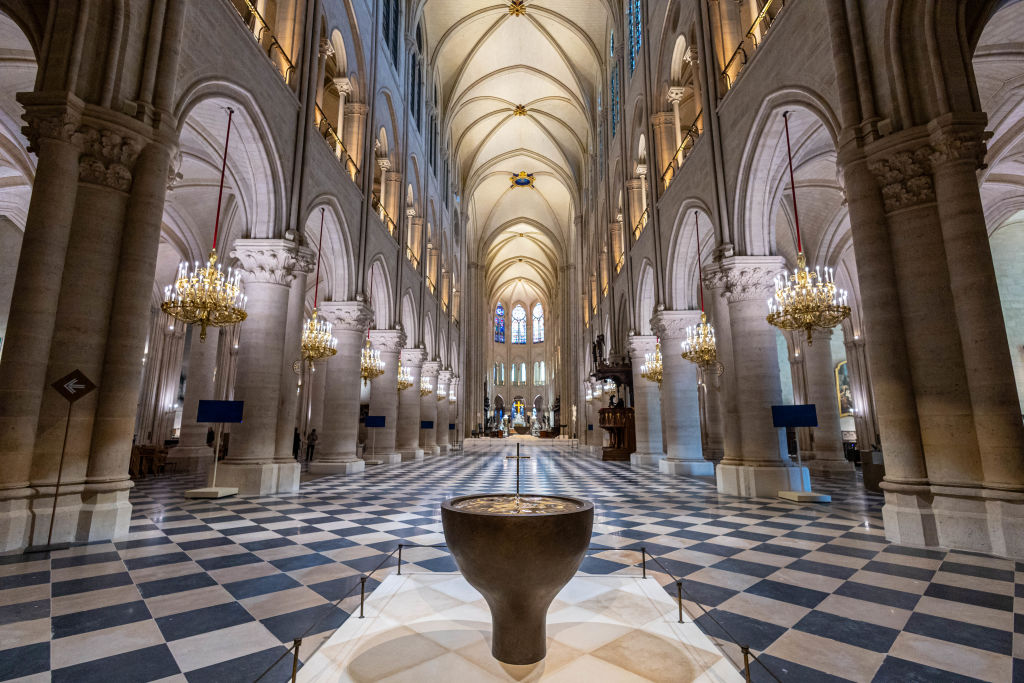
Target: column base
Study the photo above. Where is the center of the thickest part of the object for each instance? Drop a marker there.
(354, 466)
(952, 517)
(751, 481)
(443, 449)
(106, 512)
(431, 450)
(15, 519)
(830, 467)
(693, 468)
(383, 458)
(645, 458)
(191, 458)
(259, 479)
(411, 454)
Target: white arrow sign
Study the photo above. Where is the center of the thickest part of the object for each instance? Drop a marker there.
(73, 386)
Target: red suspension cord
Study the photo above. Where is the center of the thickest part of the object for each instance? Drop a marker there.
(223, 169)
(792, 183)
(700, 270)
(319, 250)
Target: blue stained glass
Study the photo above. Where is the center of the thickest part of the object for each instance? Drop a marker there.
(538, 324)
(499, 324)
(518, 325)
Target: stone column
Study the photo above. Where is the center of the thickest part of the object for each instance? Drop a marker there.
(665, 133)
(337, 450)
(635, 196)
(694, 60)
(646, 406)
(384, 397)
(428, 409)
(395, 196)
(827, 455)
(266, 266)
(290, 402)
(453, 409)
(443, 377)
(863, 396)
(761, 467)
(352, 135)
(408, 439)
(675, 97)
(680, 402)
(192, 453)
(318, 390)
(344, 87)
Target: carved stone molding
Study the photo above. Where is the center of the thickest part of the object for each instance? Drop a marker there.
(305, 260)
(639, 345)
(413, 358)
(47, 123)
(742, 278)
(431, 368)
(671, 325)
(388, 341)
(352, 316)
(678, 93)
(951, 146)
(905, 178)
(107, 156)
(443, 377)
(267, 261)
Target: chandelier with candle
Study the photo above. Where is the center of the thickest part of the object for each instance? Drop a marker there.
(404, 377)
(425, 388)
(206, 295)
(808, 299)
(451, 395)
(317, 341)
(699, 346)
(441, 394)
(370, 364)
(652, 368)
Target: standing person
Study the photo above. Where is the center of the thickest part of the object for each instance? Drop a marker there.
(296, 444)
(311, 444)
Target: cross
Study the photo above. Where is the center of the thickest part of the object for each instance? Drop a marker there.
(517, 458)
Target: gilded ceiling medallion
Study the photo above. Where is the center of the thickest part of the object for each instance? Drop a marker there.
(523, 179)
(520, 110)
(517, 8)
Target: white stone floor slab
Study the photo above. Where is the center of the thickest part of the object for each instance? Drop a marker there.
(433, 627)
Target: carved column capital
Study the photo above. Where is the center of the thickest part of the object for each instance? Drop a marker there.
(671, 325)
(343, 85)
(678, 93)
(353, 316)
(107, 156)
(413, 358)
(640, 345)
(950, 146)
(388, 341)
(742, 278)
(267, 261)
(431, 368)
(904, 177)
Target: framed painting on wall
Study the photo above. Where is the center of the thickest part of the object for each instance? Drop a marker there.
(844, 392)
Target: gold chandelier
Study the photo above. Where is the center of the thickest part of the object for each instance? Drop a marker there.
(451, 395)
(699, 347)
(317, 341)
(404, 377)
(808, 299)
(206, 295)
(652, 368)
(441, 395)
(425, 388)
(370, 364)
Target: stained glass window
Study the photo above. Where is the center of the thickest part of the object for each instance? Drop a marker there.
(635, 32)
(519, 324)
(538, 323)
(499, 324)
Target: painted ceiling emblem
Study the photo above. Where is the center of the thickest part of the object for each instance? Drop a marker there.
(517, 8)
(520, 110)
(523, 179)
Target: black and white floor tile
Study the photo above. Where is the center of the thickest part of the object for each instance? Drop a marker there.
(216, 590)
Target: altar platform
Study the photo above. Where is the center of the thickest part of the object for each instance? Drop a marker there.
(433, 627)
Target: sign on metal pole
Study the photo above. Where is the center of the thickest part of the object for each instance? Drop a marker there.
(74, 386)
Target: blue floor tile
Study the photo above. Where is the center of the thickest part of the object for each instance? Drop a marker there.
(883, 596)
(24, 661)
(737, 628)
(92, 583)
(177, 584)
(204, 620)
(849, 631)
(138, 666)
(81, 560)
(289, 564)
(24, 611)
(309, 621)
(972, 635)
(260, 586)
(891, 569)
(248, 668)
(895, 670)
(95, 619)
(970, 596)
(156, 560)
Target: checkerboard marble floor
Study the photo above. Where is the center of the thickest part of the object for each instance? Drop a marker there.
(216, 590)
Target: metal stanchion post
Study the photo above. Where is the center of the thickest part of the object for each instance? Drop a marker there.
(362, 594)
(295, 658)
(399, 559)
(643, 561)
(679, 593)
(746, 661)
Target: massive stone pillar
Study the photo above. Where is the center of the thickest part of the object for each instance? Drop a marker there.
(352, 134)
(826, 455)
(408, 438)
(192, 452)
(679, 399)
(646, 406)
(443, 378)
(290, 401)
(453, 410)
(337, 450)
(267, 267)
(760, 465)
(384, 397)
(428, 410)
